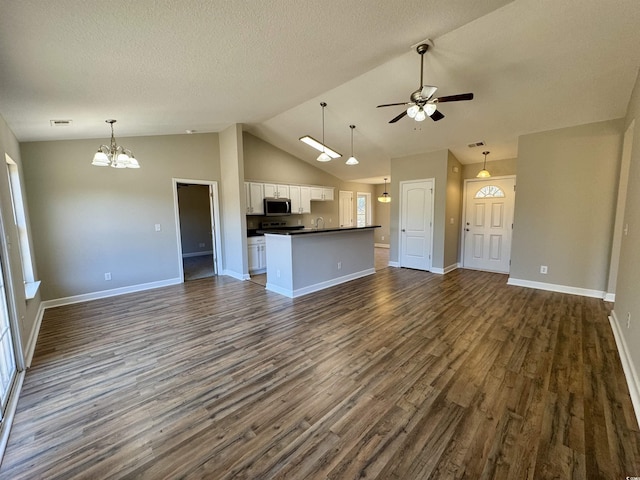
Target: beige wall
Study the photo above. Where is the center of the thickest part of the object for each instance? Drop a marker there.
(89, 220)
(26, 310)
(195, 219)
(382, 217)
(414, 167)
(628, 281)
(453, 212)
(565, 205)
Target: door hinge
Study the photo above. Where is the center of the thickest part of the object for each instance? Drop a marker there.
(431, 191)
(514, 188)
(509, 262)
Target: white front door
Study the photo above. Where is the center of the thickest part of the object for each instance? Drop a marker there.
(346, 209)
(416, 220)
(488, 223)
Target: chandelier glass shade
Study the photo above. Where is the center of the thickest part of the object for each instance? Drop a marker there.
(420, 112)
(385, 197)
(484, 173)
(114, 155)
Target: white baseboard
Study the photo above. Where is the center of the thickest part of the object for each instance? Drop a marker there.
(382, 245)
(610, 297)
(552, 287)
(236, 275)
(630, 372)
(445, 270)
(197, 254)
(318, 286)
(86, 297)
(33, 338)
(394, 264)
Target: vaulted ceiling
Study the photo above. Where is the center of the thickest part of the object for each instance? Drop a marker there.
(164, 67)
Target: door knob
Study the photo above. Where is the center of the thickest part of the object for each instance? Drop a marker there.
(403, 230)
(467, 229)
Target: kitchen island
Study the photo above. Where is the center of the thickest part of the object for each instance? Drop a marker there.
(306, 260)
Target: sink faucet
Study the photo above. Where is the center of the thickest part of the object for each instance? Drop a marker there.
(318, 222)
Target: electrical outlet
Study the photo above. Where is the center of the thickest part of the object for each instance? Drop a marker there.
(201, 245)
(278, 273)
(158, 228)
(382, 237)
(107, 276)
(339, 265)
(543, 269)
(628, 319)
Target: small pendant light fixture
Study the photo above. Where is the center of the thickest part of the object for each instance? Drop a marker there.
(352, 160)
(114, 155)
(323, 157)
(385, 197)
(484, 173)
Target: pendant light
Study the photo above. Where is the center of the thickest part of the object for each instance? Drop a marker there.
(352, 160)
(385, 197)
(484, 173)
(323, 157)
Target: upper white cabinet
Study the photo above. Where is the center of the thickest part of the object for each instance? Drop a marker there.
(272, 190)
(255, 198)
(300, 199)
(321, 193)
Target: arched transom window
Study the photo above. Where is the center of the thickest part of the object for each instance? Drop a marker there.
(490, 191)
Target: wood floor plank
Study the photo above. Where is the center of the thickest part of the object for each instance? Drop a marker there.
(398, 375)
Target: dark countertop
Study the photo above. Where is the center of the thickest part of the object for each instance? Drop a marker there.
(304, 231)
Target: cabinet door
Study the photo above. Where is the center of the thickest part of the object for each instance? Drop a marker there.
(294, 195)
(283, 191)
(327, 193)
(262, 256)
(254, 256)
(317, 193)
(270, 190)
(305, 200)
(256, 194)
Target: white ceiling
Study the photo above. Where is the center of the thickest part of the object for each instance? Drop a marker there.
(163, 67)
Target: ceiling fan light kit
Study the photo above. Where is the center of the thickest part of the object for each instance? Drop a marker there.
(484, 173)
(422, 103)
(114, 155)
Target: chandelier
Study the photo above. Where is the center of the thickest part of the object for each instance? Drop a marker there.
(385, 197)
(114, 155)
(484, 173)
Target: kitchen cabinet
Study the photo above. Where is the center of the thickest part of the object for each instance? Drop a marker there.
(300, 199)
(254, 193)
(321, 193)
(257, 254)
(272, 190)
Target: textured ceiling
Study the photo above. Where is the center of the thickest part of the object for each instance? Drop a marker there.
(163, 67)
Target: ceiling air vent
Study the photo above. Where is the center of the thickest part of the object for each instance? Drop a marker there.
(60, 123)
(476, 144)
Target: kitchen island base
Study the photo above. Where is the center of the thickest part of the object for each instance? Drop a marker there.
(301, 264)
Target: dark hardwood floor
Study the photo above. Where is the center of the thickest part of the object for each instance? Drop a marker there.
(398, 375)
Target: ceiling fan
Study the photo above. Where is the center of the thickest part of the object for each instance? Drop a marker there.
(423, 104)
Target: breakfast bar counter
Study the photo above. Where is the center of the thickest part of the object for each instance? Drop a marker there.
(302, 261)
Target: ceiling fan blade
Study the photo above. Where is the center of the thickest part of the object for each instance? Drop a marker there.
(435, 116)
(456, 98)
(427, 92)
(395, 119)
(394, 104)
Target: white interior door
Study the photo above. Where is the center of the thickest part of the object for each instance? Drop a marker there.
(488, 223)
(416, 223)
(346, 209)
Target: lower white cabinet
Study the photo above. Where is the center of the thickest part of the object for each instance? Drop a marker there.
(257, 253)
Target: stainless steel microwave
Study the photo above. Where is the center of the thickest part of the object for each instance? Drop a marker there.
(277, 207)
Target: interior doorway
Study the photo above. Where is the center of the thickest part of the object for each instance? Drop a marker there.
(416, 224)
(346, 209)
(196, 219)
(488, 223)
